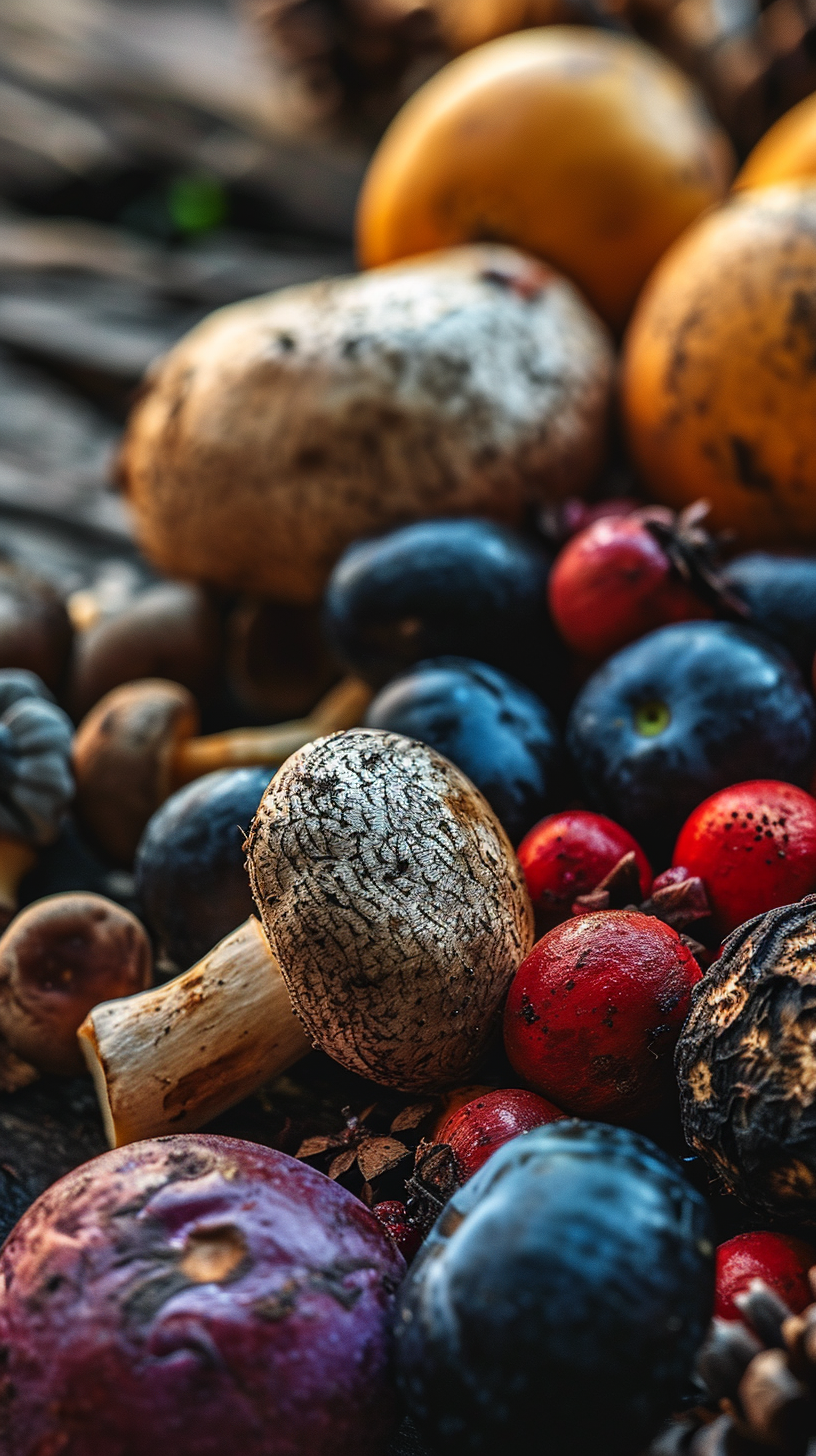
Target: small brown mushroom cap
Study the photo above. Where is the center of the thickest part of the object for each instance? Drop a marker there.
(475, 381)
(59, 958)
(394, 902)
(123, 756)
(170, 631)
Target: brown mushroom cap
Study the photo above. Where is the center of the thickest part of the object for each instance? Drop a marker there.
(35, 629)
(122, 755)
(394, 902)
(59, 958)
(170, 631)
(468, 382)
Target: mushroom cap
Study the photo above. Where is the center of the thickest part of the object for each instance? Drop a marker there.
(394, 902)
(123, 753)
(59, 958)
(36, 784)
(467, 382)
(169, 631)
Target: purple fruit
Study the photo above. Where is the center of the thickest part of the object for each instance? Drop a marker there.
(196, 1295)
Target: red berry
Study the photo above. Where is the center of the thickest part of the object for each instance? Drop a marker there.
(393, 1216)
(567, 855)
(612, 583)
(474, 1131)
(595, 1010)
(754, 847)
(782, 1262)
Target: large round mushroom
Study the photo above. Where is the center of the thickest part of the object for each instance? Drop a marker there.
(469, 382)
(394, 902)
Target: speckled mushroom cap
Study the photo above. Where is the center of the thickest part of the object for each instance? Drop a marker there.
(394, 902)
(467, 382)
(36, 784)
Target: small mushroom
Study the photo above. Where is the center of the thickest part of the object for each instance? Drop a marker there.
(58, 958)
(170, 631)
(396, 916)
(277, 661)
(36, 785)
(138, 744)
(35, 629)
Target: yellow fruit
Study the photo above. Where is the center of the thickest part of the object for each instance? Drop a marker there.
(719, 379)
(786, 153)
(585, 148)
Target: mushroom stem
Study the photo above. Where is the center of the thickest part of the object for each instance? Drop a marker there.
(171, 1059)
(16, 859)
(342, 707)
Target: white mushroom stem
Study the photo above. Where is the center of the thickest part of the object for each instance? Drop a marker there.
(170, 1059)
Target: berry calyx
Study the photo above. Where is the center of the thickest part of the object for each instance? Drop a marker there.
(475, 1131)
(594, 1012)
(568, 855)
(754, 847)
(780, 1261)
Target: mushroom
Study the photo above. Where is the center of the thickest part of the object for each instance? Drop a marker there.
(472, 382)
(138, 744)
(171, 630)
(36, 785)
(277, 661)
(58, 958)
(35, 629)
(394, 917)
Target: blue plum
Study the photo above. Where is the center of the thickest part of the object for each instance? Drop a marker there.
(681, 713)
(464, 587)
(191, 882)
(560, 1299)
(494, 729)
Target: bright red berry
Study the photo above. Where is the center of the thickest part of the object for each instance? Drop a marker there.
(474, 1131)
(567, 855)
(393, 1216)
(782, 1262)
(595, 1010)
(754, 847)
(612, 583)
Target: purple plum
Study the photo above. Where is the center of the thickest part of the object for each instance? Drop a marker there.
(196, 1295)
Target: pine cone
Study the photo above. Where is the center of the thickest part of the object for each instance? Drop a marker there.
(758, 1386)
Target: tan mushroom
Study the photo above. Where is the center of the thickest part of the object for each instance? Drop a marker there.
(58, 959)
(470, 382)
(138, 744)
(395, 915)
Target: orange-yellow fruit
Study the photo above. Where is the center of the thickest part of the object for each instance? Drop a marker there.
(786, 153)
(719, 378)
(583, 147)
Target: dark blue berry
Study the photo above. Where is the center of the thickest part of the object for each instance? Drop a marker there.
(560, 1299)
(464, 587)
(781, 593)
(191, 882)
(685, 711)
(495, 730)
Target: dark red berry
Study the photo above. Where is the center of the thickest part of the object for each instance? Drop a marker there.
(567, 855)
(754, 847)
(782, 1262)
(595, 1010)
(393, 1216)
(612, 583)
(474, 1131)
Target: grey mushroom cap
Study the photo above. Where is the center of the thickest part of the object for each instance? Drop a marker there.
(394, 902)
(36, 784)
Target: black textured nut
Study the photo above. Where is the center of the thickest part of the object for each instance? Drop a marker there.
(394, 902)
(746, 1064)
